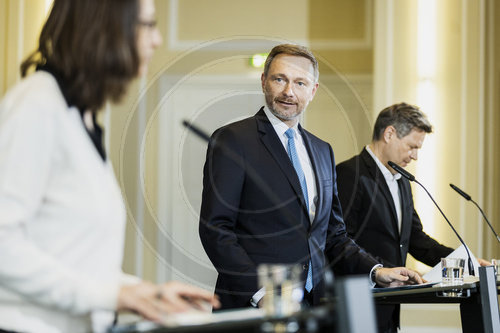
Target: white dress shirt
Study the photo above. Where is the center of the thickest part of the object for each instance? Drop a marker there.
(62, 217)
(280, 128)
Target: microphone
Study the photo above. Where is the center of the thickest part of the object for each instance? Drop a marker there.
(462, 193)
(468, 198)
(402, 171)
(200, 133)
(411, 177)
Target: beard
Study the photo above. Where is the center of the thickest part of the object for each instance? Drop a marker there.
(282, 112)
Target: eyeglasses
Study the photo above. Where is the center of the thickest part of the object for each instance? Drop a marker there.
(148, 24)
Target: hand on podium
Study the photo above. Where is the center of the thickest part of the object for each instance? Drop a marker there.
(153, 301)
(483, 263)
(395, 277)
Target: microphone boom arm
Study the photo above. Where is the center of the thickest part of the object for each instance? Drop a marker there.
(411, 177)
(469, 198)
(469, 261)
(486, 219)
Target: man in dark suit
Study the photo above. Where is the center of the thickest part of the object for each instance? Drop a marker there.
(270, 196)
(377, 202)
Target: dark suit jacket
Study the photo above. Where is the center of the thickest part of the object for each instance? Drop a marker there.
(370, 216)
(243, 224)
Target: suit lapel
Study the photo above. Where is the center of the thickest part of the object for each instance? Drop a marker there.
(406, 215)
(377, 175)
(273, 144)
(313, 156)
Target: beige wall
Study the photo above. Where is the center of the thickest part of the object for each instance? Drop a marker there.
(341, 35)
(20, 23)
(492, 121)
(3, 44)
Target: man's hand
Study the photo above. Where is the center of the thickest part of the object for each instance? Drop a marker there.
(398, 276)
(260, 304)
(483, 262)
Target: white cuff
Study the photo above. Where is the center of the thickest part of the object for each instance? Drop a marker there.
(102, 296)
(257, 297)
(372, 274)
(128, 279)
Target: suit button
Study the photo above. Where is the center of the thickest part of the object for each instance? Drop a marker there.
(401, 245)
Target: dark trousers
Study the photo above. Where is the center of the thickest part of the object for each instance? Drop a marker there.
(387, 318)
(307, 301)
(388, 330)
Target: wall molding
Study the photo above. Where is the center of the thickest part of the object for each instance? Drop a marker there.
(176, 44)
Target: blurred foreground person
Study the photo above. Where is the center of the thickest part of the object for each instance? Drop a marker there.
(62, 217)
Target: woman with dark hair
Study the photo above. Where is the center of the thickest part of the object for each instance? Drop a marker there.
(62, 217)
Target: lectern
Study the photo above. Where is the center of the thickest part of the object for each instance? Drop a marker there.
(478, 301)
(350, 310)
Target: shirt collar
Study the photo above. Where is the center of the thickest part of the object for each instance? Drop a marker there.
(387, 174)
(279, 126)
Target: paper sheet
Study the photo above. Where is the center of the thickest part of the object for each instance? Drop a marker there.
(198, 318)
(434, 275)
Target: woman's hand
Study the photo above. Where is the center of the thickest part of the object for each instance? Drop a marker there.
(152, 301)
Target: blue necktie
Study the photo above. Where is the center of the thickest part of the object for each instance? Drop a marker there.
(292, 153)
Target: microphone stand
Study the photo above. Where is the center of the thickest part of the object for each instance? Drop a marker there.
(468, 198)
(410, 177)
(486, 219)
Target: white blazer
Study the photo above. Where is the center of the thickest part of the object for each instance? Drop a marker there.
(62, 218)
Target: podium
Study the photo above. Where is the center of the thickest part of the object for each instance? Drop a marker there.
(479, 311)
(351, 310)
(352, 307)
(314, 320)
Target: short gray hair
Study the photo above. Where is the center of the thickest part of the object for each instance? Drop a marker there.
(404, 117)
(294, 50)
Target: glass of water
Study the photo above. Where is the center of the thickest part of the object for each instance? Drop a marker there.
(283, 288)
(452, 271)
(452, 275)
